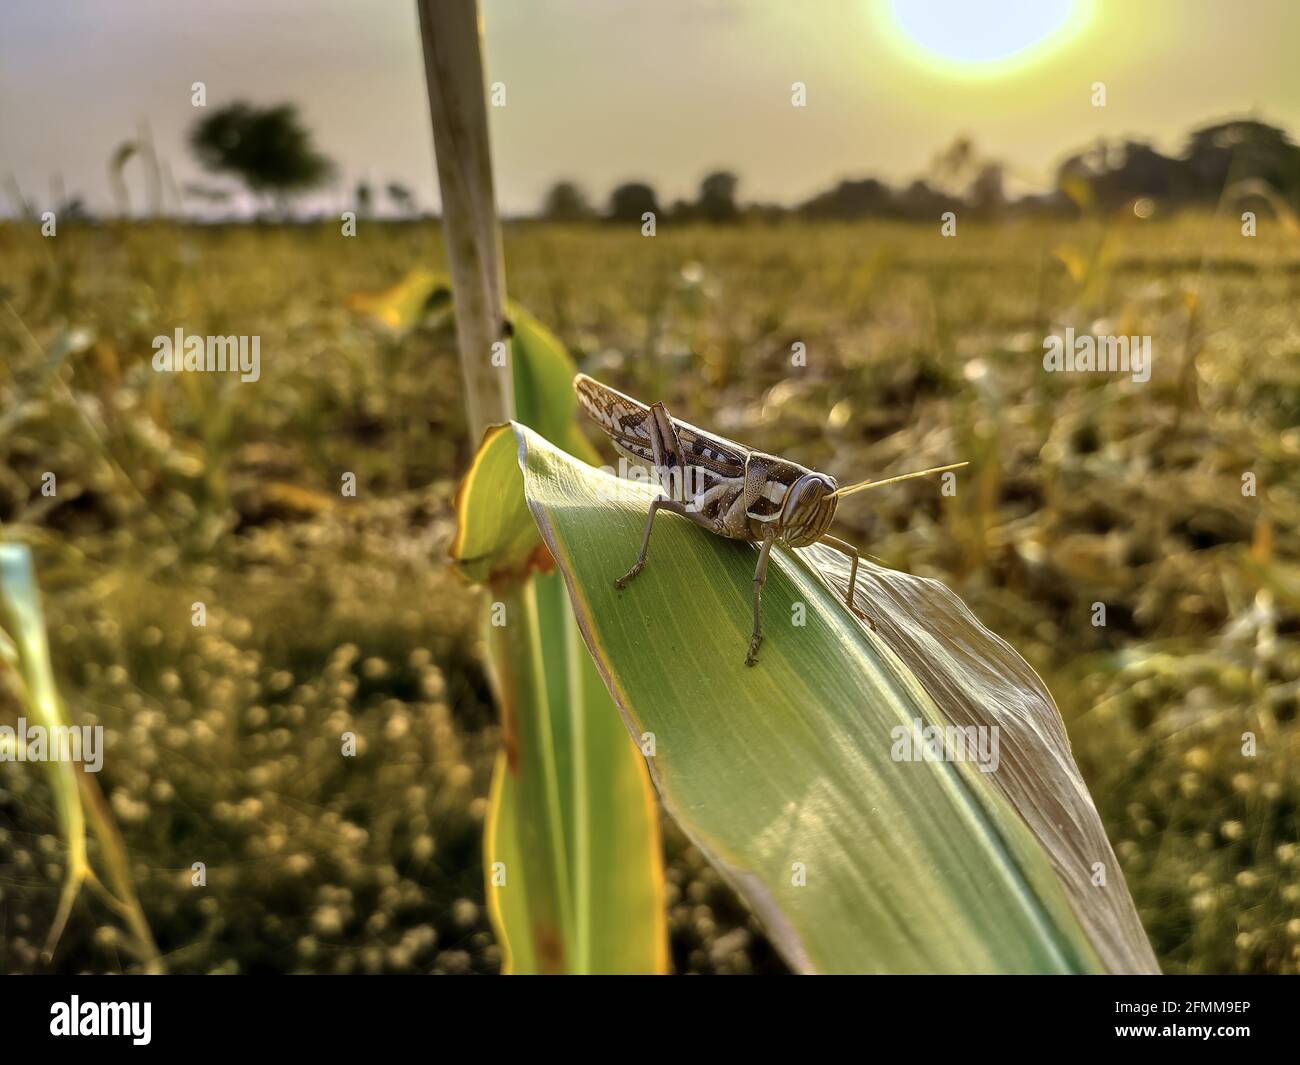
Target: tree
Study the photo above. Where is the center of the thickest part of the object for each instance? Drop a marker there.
(365, 199)
(954, 168)
(851, 199)
(985, 194)
(718, 197)
(920, 202)
(1217, 158)
(1239, 150)
(268, 148)
(629, 202)
(403, 199)
(566, 202)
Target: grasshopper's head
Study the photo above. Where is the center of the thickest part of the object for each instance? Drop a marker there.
(808, 510)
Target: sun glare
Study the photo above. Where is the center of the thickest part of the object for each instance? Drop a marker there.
(987, 36)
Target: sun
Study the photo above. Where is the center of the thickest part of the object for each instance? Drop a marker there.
(989, 35)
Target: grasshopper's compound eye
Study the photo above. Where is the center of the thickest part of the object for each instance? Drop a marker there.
(808, 508)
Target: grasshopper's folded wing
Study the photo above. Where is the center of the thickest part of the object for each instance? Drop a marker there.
(628, 423)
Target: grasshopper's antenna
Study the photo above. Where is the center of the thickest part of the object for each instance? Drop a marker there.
(863, 486)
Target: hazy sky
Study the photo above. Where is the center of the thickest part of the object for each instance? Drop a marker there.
(665, 90)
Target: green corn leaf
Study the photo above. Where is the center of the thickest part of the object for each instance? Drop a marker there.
(606, 826)
(785, 773)
(572, 854)
(22, 619)
(977, 678)
(82, 810)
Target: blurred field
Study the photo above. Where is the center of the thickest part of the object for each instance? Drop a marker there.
(329, 614)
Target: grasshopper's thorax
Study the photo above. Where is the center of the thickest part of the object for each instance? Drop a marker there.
(808, 510)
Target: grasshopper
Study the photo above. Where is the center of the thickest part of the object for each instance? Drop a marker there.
(727, 488)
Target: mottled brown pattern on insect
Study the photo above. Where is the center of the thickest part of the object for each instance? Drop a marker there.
(725, 487)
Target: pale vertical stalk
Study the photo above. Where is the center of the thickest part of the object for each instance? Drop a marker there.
(453, 64)
(152, 173)
(22, 209)
(453, 67)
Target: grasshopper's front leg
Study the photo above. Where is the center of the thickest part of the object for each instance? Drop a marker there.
(670, 505)
(852, 552)
(760, 576)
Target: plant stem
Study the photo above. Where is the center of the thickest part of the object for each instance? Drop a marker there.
(453, 68)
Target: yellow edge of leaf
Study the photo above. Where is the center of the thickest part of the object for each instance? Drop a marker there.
(462, 491)
(490, 827)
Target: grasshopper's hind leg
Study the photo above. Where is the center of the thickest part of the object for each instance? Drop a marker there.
(670, 505)
(668, 457)
(760, 576)
(852, 552)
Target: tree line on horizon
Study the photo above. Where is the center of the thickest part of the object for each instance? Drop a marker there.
(271, 153)
(1259, 160)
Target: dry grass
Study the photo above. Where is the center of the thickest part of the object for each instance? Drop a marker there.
(329, 614)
